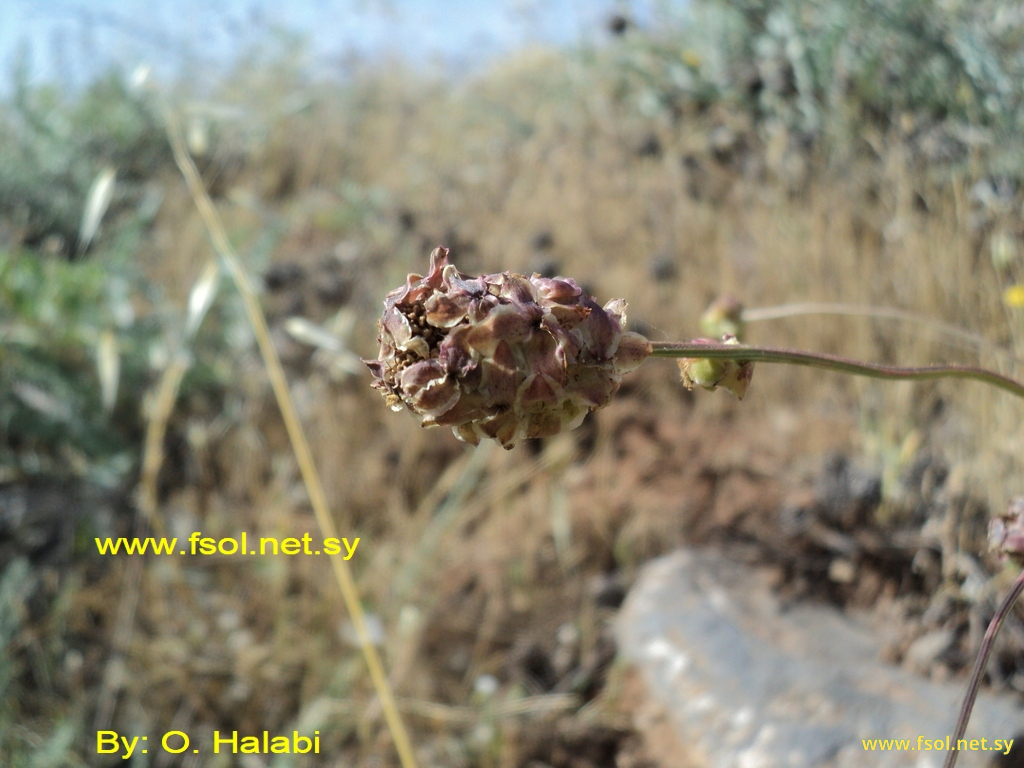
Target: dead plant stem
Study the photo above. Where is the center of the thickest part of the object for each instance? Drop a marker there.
(979, 668)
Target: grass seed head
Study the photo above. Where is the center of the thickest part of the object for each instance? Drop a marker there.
(501, 356)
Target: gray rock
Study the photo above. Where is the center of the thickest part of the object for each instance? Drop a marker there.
(752, 685)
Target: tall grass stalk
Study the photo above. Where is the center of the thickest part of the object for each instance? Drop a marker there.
(296, 434)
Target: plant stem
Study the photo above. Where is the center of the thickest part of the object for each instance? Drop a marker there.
(979, 668)
(964, 338)
(742, 353)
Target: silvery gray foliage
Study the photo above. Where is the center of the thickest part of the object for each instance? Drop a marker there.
(502, 356)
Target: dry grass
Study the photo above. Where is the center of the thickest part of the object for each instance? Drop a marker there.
(473, 560)
(540, 150)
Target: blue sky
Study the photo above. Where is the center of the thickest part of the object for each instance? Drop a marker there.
(69, 40)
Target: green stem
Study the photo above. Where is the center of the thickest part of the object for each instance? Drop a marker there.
(742, 353)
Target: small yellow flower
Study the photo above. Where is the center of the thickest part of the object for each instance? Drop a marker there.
(1014, 296)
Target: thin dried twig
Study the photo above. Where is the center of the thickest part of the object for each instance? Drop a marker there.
(979, 668)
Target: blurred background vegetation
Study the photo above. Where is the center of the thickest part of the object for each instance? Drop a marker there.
(859, 151)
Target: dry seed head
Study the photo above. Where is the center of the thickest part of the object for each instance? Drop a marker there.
(501, 356)
(1006, 532)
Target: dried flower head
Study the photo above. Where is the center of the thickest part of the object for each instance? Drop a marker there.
(502, 356)
(1006, 532)
(712, 373)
